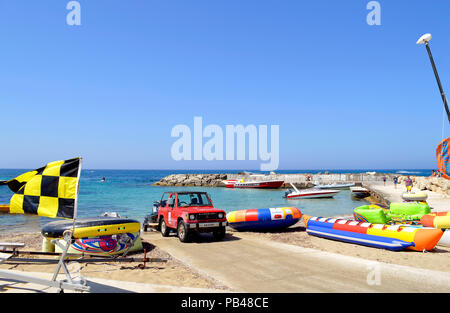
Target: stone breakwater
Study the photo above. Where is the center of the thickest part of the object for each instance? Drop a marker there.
(436, 184)
(299, 180)
(199, 180)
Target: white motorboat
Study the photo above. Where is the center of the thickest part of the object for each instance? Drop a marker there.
(310, 193)
(360, 192)
(336, 186)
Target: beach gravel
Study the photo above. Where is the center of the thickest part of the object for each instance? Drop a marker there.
(171, 273)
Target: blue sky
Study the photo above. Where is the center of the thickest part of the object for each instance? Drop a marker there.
(345, 94)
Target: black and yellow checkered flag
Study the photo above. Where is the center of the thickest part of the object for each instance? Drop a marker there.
(48, 191)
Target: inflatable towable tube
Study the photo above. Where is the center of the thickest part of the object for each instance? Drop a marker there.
(263, 219)
(398, 212)
(437, 219)
(391, 237)
(99, 235)
(411, 196)
(371, 213)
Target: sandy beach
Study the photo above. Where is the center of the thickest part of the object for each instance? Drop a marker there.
(201, 270)
(194, 265)
(255, 262)
(438, 259)
(171, 273)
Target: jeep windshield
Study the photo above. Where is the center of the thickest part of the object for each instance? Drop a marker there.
(193, 199)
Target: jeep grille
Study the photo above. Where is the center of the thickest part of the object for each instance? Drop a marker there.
(207, 216)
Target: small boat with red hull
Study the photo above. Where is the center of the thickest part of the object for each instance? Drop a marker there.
(264, 184)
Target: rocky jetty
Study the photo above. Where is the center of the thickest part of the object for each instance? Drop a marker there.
(436, 184)
(302, 181)
(204, 180)
(298, 185)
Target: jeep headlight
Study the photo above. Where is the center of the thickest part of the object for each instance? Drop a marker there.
(220, 215)
(192, 217)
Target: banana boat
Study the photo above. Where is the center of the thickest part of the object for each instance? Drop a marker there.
(263, 219)
(96, 236)
(391, 237)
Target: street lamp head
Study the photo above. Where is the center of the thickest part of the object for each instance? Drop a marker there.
(424, 39)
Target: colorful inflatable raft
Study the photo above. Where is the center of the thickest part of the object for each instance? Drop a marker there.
(437, 219)
(398, 212)
(97, 236)
(263, 219)
(371, 213)
(391, 237)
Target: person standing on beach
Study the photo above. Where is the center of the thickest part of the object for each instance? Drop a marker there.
(384, 180)
(408, 184)
(395, 182)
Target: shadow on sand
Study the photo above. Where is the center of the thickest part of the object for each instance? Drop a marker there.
(275, 231)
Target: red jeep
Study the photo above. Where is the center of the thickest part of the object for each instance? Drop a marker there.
(188, 213)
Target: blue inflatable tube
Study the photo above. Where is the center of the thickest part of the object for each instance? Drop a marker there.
(263, 219)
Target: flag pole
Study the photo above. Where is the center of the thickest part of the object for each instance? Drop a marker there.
(68, 237)
(75, 206)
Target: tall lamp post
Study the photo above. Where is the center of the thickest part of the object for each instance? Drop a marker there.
(424, 40)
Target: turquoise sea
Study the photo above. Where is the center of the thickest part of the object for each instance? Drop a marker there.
(130, 193)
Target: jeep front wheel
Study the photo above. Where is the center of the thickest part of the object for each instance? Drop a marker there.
(163, 227)
(183, 232)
